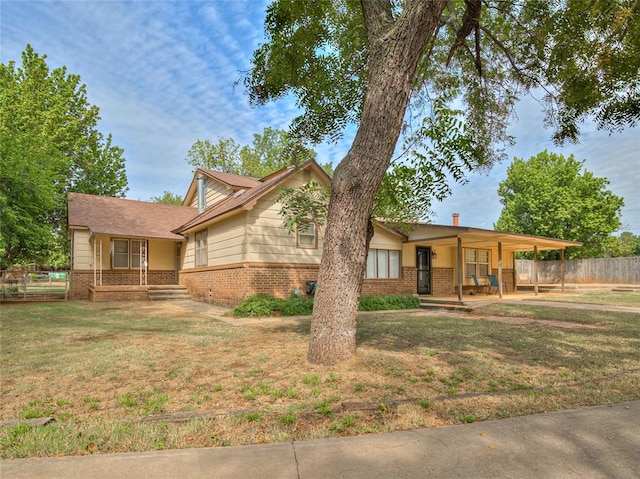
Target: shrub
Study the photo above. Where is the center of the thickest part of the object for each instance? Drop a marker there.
(258, 305)
(297, 306)
(393, 301)
(263, 305)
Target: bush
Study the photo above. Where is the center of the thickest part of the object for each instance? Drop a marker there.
(392, 301)
(297, 306)
(263, 305)
(258, 305)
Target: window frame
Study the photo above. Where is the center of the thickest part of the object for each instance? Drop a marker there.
(130, 254)
(201, 247)
(314, 236)
(477, 263)
(374, 257)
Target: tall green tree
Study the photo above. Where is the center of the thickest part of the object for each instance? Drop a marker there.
(167, 198)
(49, 145)
(349, 62)
(269, 151)
(550, 195)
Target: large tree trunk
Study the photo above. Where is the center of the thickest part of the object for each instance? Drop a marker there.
(395, 48)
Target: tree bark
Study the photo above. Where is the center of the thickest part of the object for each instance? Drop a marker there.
(395, 48)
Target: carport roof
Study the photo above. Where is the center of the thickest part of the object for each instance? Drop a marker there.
(442, 235)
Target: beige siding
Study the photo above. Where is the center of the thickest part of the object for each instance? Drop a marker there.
(189, 252)
(226, 241)
(214, 192)
(269, 241)
(82, 250)
(383, 239)
(161, 255)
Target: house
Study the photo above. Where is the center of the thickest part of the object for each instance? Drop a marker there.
(227, 242)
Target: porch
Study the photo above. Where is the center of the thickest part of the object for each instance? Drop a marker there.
(148, 292)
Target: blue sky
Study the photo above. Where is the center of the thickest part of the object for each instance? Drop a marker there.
(163, 76)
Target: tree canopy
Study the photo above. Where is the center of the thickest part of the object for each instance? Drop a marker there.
(550, 195)
(269, 151)
(50, 145)
(404, 66)
(167, 198)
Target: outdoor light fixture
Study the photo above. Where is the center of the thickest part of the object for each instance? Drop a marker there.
(434, 255)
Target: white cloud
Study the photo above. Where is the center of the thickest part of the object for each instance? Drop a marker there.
(162, 74)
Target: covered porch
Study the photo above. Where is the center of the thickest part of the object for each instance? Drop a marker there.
(449, 257)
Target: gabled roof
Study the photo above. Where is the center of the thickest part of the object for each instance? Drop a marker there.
(231, 180)
(228, 180)
(247, 199)
(120, 217)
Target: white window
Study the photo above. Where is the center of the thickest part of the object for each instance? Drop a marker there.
(307, 237)
(476, 262)
(383, 263)
(120, 253)
(126, 253)
(202, 252)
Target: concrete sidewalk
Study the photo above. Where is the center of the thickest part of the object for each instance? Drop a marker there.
(597, 442)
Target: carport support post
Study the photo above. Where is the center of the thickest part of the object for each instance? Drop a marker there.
(459, 269)
(500, 269)
(562, 270)
(535, 270)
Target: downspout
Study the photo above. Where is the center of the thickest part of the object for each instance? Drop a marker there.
(95, 254)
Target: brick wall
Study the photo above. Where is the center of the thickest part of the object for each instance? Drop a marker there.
(407, 284)
(81, 280)
(230, 285)
(442, 282)
(117, 293)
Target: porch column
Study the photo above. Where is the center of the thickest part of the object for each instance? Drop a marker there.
(100, 277)
(500, 269)
(95, 255)
(515, 272)
(562, 270)
(459, 269)
(535, 270)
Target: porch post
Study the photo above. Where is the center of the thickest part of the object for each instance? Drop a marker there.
(515, 272)
(535, 270)
(100, 262)
(95, 255)
(459, 269)
(500, 269)
(562, 270)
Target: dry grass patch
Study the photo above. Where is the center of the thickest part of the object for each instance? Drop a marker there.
(116, 377)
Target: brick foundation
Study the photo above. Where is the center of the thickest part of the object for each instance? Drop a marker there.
(442, 282)
(407, 284)
(230, 285)
(80, 281)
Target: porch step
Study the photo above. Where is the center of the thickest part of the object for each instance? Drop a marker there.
(448, 305)
(167, 292)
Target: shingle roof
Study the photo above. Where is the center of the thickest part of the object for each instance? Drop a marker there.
(233, 180)
(120, 217)
(236, 202)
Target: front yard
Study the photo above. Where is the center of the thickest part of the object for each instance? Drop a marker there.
(142, 376)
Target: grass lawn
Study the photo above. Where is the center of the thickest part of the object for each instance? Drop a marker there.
(627, 298)
(110, 372)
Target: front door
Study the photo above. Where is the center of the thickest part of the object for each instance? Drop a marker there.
(423, 262)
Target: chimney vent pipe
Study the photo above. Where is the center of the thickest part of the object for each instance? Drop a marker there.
(456, 219)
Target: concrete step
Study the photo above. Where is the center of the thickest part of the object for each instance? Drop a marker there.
(166, 293)
(443, 304)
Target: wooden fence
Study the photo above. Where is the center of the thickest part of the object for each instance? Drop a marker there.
(595, 270)
(33, 285)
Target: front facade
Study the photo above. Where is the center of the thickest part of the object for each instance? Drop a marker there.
(228, 242)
